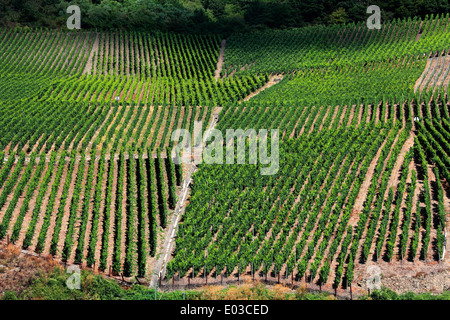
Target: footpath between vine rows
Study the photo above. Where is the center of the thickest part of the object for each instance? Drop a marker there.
(160, 270)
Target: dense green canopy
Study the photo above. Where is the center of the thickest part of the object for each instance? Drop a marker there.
(219, 16)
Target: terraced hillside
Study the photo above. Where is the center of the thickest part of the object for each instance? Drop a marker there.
(86, 123)
(361, 181)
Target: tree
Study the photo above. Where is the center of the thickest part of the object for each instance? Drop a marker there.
(338, 16)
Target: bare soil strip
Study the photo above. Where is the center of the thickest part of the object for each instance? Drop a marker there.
(387, 235)
(302, 129)
(149, 264)
(171, 231)
(90, 61)
(414, 209)
(51, 227)
(220, 61)
(273, 79)
(117, 55)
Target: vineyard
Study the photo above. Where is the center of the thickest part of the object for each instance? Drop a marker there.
(87, 174)
(93, 210)
(357, 184)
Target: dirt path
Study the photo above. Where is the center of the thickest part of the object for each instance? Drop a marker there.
(220, 61)
(179, 209)
(411, 30)
(274, 79)
(49, 235)
(149, 260)
(336, 117)
(90, 61)
(435, 67)
(34, 147)
(121, 55)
